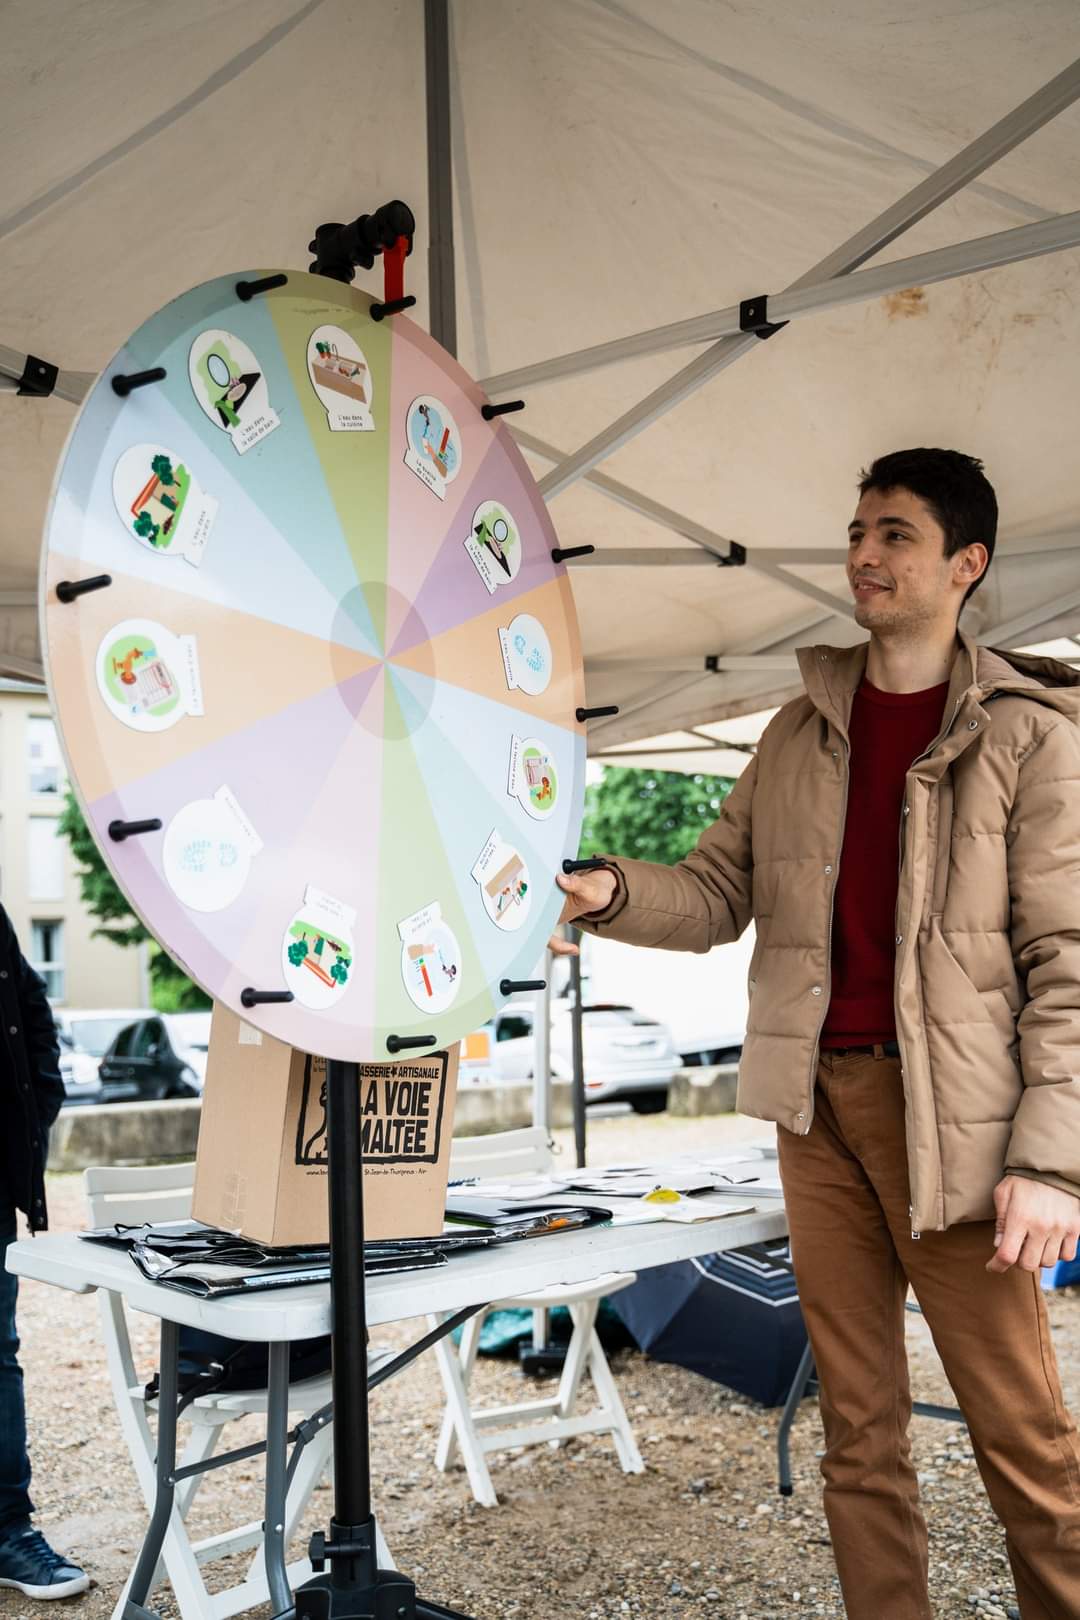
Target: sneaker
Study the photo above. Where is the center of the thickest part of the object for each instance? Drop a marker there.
(30, 1565)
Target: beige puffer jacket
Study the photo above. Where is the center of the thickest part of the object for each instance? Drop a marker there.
(987, 988)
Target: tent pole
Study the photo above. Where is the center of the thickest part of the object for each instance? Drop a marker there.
(921, 270)
(442, 302)
(577, 1084)
(690, 662)
(1032, 618)
(987, 149)
(541, 1109)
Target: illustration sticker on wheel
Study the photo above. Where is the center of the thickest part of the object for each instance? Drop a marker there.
(230, 386)
(341, 377)
(207, 851)
(160, 502)
(533, 779)
(494, 545)
(148, 676)
(344, 749)
(434, 449)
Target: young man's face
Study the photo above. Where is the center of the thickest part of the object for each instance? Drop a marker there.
(899, 575)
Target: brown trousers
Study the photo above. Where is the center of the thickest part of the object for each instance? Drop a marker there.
(846, 1189)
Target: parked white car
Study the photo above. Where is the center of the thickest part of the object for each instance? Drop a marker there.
(85, 1035)
(627, 1057)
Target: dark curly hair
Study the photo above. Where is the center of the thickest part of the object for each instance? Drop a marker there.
(955, 489)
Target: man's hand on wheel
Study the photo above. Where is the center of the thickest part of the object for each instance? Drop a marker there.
(585, 892)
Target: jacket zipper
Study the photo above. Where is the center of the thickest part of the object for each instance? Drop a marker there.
(827, 987)
(944, 732)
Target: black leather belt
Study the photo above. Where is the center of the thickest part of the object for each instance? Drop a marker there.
(886, 1048)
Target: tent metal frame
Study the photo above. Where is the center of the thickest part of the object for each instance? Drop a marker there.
(1001, 138)
(834, 281)
(921, 270)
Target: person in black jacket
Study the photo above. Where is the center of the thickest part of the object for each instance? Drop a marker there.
(31, 1092)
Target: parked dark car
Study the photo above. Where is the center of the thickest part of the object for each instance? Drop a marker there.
(158, 1057)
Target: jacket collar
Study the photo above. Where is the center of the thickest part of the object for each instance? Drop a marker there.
(832, 676)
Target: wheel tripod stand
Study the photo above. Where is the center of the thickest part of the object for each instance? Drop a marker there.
(353, 1587)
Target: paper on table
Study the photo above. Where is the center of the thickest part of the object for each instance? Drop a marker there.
(527, 1188)
(702, 1209)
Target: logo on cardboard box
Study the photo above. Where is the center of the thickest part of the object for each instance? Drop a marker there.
(401, 1111)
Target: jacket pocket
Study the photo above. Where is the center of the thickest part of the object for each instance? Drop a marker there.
(970, 1039)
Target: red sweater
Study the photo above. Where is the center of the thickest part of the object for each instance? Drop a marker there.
(888, 731)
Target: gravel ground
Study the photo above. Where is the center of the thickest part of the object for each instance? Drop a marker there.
(702, 1531)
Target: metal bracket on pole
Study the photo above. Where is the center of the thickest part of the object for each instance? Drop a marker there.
(736, 557)
(754, 317)
(39, 377)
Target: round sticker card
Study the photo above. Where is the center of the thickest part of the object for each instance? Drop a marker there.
(229, 385)
(341, 377)
(207, 852)
(434, 444)
(317, 950)
(148, 676)
(160, 502)
(505, 886)
(526, 654)
(430, 959)
(533, 779)
(494, 545)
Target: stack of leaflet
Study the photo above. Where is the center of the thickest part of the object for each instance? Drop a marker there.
(210, 1264)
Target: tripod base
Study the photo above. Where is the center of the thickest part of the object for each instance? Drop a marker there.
(354, 1588)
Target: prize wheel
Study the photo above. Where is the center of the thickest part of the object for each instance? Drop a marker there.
(334, 665)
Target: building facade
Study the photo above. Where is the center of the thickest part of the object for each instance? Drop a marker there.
(39, 881)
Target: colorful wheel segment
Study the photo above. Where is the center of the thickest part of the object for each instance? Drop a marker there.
(335, 660)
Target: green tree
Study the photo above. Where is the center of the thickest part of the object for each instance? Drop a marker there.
(297, 951)
(170, 988)
(163, 467)
(650, 815)
(145, 526)
(339, 972)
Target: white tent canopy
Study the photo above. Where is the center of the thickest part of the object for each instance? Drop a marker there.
(617, 167)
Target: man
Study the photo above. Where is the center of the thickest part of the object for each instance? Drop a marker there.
(907, 843)
(31, 1092)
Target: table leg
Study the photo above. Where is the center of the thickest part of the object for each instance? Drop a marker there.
(164, 1467)
(277, 1424)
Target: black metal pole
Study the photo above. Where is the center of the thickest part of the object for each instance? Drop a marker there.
(354, 1588)
(348, 1313)
(577, 1083)
(442, 301)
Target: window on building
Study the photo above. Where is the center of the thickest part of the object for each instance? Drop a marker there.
(45, 769)
(47, 956)
(45, 867)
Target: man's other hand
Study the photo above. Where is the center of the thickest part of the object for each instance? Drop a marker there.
(585, 892)
(1037, 1225)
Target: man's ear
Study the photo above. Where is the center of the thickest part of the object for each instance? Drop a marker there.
(971, 563)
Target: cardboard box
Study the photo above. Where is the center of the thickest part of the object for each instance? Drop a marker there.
(261, 1165)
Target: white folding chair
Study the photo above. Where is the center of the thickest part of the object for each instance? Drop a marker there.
(163, 1193)
(476, 1431)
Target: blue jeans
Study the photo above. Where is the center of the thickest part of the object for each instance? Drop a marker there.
(15, 1503)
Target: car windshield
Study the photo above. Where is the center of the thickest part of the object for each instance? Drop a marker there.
(189, 1029)
(96, 1035)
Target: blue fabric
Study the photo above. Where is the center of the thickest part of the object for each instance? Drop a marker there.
(15, 1503)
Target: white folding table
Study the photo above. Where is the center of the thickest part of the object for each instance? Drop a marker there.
(467, 1282)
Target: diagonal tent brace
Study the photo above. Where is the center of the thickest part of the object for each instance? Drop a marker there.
(914, 206)
(921, 270)
(717, 548)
